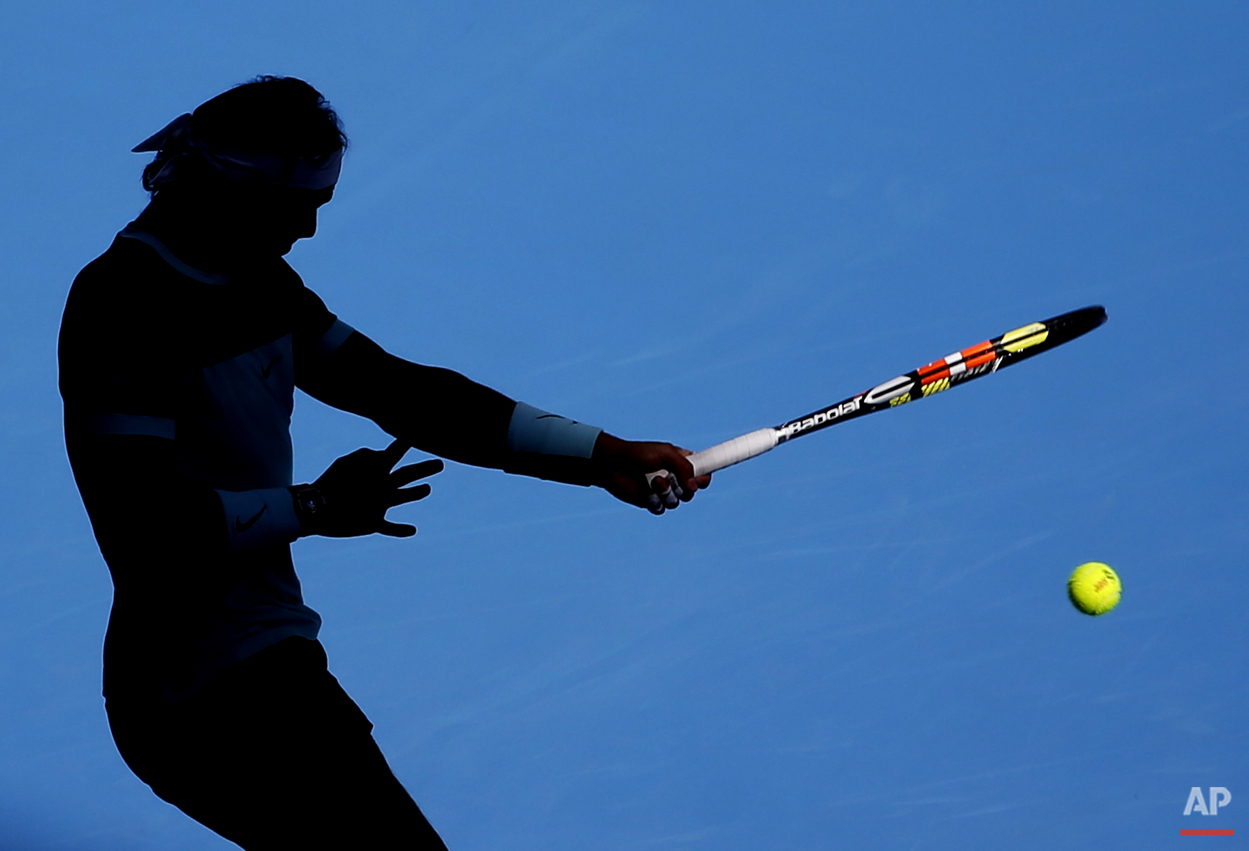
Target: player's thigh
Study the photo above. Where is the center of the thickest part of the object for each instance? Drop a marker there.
(333, 791)
(273, 755)
(324, 777)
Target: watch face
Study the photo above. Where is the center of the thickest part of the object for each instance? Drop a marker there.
(309, 500)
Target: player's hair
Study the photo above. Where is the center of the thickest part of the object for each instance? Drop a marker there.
(265, 115)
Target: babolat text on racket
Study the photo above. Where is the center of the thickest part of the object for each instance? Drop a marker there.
(962, 366)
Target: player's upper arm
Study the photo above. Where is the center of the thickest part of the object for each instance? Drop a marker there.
(328, 367)
(141, 508)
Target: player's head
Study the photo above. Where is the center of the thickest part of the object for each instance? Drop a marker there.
(263, 155)
(271, 131)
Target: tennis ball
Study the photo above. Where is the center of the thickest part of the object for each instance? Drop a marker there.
(1094, 588)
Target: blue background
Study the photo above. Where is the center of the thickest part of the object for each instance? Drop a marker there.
(683, 221)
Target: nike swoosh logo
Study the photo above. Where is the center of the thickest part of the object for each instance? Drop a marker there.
(265, 370)
(240, 526)
(558, 417)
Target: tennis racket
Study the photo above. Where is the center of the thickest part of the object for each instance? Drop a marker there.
(940, 375)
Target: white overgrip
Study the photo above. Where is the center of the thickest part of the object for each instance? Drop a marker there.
(733, 451)
(728, 453)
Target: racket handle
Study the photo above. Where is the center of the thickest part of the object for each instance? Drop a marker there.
(728, 453)
(733, 451)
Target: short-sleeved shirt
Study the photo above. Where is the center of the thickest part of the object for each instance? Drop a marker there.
(154, 349)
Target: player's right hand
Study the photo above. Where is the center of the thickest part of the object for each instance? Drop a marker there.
(623, 468)
(359, 488)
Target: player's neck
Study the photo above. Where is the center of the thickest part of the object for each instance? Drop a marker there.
(195, 235)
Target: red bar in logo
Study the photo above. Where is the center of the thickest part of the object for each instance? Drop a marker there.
(979, 348)
(1207, 833)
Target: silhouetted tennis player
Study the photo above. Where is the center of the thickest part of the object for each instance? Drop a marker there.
(180, 350)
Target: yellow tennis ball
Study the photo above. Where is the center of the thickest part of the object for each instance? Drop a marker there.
(1094, 588)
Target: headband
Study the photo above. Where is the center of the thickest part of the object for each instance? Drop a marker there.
(174, 144)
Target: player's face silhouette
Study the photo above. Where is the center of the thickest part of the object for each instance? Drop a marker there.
(269, 220)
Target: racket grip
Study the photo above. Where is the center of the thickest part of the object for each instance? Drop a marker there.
(733, 451)
(728, 453)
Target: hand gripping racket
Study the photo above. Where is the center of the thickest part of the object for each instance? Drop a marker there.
(962, 366)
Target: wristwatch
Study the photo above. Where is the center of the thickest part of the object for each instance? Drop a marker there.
(309, 506)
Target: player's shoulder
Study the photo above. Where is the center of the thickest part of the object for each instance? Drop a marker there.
(307, 310)
(132, 271)
(130, 298)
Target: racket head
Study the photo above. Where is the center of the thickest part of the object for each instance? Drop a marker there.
(972, 362)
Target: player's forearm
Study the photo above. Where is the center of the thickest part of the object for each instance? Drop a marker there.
(444, 413)
(432, 409)
(491, 430)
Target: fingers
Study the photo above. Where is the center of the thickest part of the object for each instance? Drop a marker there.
(396, 530)
(673, 482)
(412, 472)
(692, 482)
(360, 487)
(681, 481)
(685, 471)
(663, 493)
(405, 495)
(669, 491)
(394, 453)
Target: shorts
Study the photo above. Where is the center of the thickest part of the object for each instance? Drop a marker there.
(273, 754)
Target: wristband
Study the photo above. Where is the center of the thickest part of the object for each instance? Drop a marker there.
(535, 431)
(258, 518)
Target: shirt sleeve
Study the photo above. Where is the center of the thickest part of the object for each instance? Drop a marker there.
(318, 333)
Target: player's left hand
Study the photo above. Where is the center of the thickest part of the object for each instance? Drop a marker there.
(623, 466)
(359, 489)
